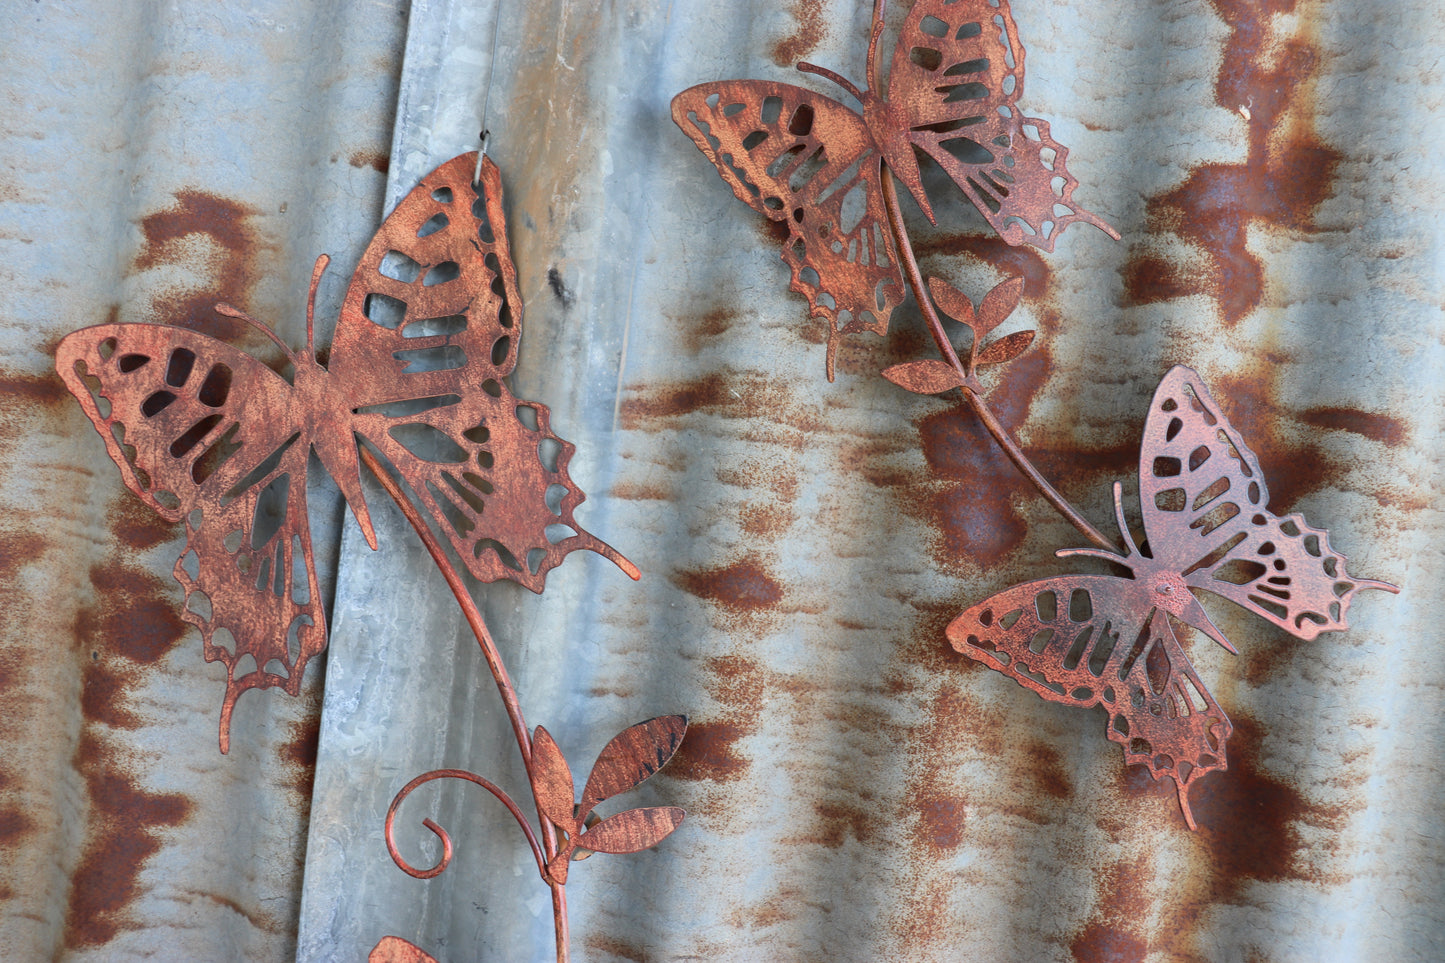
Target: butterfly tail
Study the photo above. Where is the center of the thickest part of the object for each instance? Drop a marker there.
(1182, 785)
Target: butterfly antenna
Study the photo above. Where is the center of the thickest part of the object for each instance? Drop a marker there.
(837, 78)
(872, 63)
(1130, 548)
(316, 272)
(223, 308)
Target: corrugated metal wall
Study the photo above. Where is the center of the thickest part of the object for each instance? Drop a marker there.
(857, 791)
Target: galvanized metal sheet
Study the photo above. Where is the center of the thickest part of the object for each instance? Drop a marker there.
(157, 158)
(856, 789)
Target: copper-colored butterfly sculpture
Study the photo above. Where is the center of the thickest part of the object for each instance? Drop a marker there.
(1088, 640)
(808, 162)
(205, 433)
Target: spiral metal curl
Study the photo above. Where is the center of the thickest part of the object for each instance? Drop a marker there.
(441, 833)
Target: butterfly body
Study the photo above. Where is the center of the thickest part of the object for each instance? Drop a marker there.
(806, 160)
(1087, 640)
(205, 433)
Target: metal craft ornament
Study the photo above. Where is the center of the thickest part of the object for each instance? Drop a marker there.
(1087, 640)
(808, 162)
(802, 159)
(206, 434)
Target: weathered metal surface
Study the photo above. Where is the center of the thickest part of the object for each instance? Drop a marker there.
(815, 167)
(856, 790)
(157, 158)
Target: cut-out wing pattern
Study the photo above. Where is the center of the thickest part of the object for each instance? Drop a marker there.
(808, 162)
(204, 432)
(1087, 640)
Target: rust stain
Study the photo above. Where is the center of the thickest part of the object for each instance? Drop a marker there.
(375, 159)
(226, 224)
(764, 400)
(136, 525)
(298, 753)
(123, 834)
(1288, 172)
(709, 751)
(137, 616)
(697, 331)
(811, 26)
(741, 587)
(836, 822)
(614, 947)
(1046, 769)
(103, 698)
(1383, 428)
(1112, 936)
(766, 520)
(1293, 468)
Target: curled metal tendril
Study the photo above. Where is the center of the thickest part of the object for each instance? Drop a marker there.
(441, 834)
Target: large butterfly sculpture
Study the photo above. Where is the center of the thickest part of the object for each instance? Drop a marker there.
(810, 163)
(205, 433)
(1087, 640)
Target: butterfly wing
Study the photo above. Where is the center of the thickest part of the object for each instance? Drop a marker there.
(1204, 506)
(956, 76)
(1088, 640)
(203, 432)
(429, 326)
(807, 163)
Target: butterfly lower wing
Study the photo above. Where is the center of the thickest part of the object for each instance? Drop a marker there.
(491, 472)
(1094, 640)
(203, 432)
(806, 162)
(956, 76)
(1204, 504)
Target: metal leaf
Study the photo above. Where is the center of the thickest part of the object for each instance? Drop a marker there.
(1006, 348)
(552, 781)
(632, 756)
(632, 830)
(928, 377)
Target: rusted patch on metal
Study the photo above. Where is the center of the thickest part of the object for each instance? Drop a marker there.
(811, 28)
(1386, 429)
(1288, 173)
(710, 752)
(612, 946)
(298, 753)
(1113, 934)
(741, 587)
(123, 833)
(378, 161)
(135, 615)
(227, 253)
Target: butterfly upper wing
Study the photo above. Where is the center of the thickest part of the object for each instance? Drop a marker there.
(809, 163)
(956, 76)
(1087, 640)
(423, 362)
(203, 432)
(1204, 504)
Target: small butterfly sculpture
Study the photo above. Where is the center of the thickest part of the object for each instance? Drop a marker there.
(1086, 640)
(807, 161)
(205, 433)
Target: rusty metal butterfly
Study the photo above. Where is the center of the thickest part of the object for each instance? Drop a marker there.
(808, 162)
(205, 433)
(1088, 640)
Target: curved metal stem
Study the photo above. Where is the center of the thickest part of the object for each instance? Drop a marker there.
(499, 673)
(970, 395)
(441, 834)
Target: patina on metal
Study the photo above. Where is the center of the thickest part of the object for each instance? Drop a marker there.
(1088, 640)
(203, 432)
(816, 166)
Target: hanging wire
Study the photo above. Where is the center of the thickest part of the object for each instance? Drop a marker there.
(485, 134)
